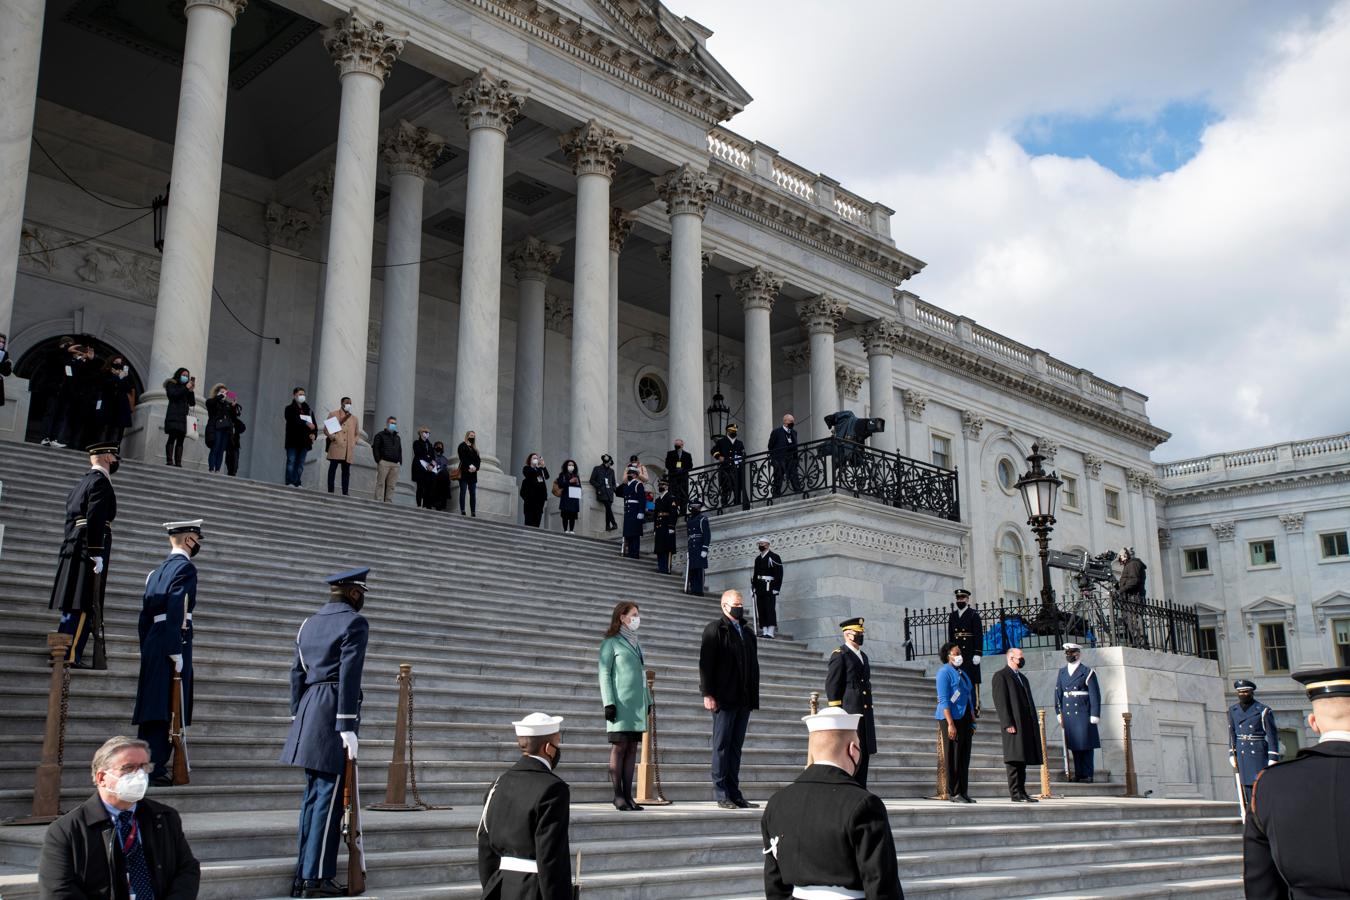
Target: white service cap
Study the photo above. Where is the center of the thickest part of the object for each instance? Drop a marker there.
(1072, 646)
(537, 725)
(832, 718)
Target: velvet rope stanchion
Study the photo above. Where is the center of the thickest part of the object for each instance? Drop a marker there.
(1131, 777)
(1045, 762)
(649, 791)
(47, 784)
(943, 792)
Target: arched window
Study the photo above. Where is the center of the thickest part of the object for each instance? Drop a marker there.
(1010, 575)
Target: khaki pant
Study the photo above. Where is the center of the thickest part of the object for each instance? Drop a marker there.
(386, 480)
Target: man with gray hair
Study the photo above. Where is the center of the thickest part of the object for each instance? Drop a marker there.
(117, 843)
(728, 678)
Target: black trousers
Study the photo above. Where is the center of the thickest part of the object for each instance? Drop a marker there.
(728, 736)
(534, 511)
(958, 756)
(173, 448)
(766, 607)
(610, 524)
(1017, 779)
(693, 580)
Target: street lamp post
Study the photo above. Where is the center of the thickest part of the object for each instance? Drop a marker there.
(1040, 491)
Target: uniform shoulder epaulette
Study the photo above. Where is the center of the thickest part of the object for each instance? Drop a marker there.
(837, 650)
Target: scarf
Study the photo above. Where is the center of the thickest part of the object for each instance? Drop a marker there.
(631, 637)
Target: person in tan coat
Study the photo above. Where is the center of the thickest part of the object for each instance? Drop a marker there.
(342, 446)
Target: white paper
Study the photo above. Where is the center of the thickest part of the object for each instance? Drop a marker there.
(331, 425)
(574, 493)
(69, 374)
(308, 420)
(956, 695)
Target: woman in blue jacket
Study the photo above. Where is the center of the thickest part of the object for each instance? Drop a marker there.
(957, 708)
(623, 690)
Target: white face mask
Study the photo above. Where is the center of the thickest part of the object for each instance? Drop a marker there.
(131, 788)
(425, 435)
(571, 468)
(635, 622)
(534, 460)
(957, 660)
(300, 398)
(346, 407)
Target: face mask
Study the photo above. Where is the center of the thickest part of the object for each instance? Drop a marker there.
(858, 639)
(534, 460)
(473, 440)
(634, 622)
(1246, 700)
(358, 603)
(439, 450)
(220, 395)
(737, 612)
(425, 435)
(1071, 657)
(114, 466)
(960, 604)
(131, 788)
(393, 426)
(557, 756)
(679, 446)
(183, 379)
(347, 407)
(957, 660)
(194, 550)
(1021, 662)
(571, 468)
(299, 398)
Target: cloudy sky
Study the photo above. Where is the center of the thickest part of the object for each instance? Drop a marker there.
(1156, 191)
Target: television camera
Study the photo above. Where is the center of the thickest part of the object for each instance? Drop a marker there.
(849, 432)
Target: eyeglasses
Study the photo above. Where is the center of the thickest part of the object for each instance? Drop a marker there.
(130, 768)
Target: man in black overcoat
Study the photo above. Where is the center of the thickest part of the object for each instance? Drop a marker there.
(765, 583)
(665, 518)
(848, 685)
(86, 551)
(783, 456)
(729, 452)
(965, 630)
(728, 679)
(678, 463)
(825, 835)
(1021, 730)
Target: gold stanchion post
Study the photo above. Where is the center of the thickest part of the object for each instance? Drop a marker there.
(1131, 777)
(942, 787)
(396, 788)
(814, 706)
(1045, 762)
(648, 776)
(47, 784)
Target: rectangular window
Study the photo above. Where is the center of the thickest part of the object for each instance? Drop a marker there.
(1288, 743)
(1113, 505)
(1209, 644)
(1197, 559)
(1262, 553)
(1274, 651)
(1335, 545)
(1340, 629)
(942, 451)
(1068, 494)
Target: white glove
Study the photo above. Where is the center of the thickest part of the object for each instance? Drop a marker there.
(98, 564)
(975, 659)
(704, 554)
(1269, 762)
(1093, 719)
(473, 468)
(349, 741)
(177, 661)
(1060, 718)
(639, 515)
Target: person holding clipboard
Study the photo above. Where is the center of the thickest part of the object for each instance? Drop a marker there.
(567, 488)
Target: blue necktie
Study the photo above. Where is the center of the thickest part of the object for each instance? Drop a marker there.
(138, 872)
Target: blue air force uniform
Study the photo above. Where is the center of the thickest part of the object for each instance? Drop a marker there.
(165, 630)
(700, 539)
(1253, 740)
(77, 590)
(1078, 699)
(330, 653)
(634, 512)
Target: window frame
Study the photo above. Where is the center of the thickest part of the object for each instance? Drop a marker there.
(1274, 550)
(1321, 547)
(1339, 657)
(1107, 491)
(1186, 570)
(1213, 632)
(1077, 505)
(1261, 631)
(951, 448)
(1020, 555)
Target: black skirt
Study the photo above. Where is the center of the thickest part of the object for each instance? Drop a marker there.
(624, 737)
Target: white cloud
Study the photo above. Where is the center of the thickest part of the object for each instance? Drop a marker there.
(1219, 289)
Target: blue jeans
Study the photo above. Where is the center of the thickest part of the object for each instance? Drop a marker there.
(728, 735)
(295, 464)
(320, 825)
(470, 488)
(220, 442)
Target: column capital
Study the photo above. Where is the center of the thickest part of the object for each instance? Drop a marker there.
(821, 314)
(1092, 464)
(849, 380)
(321, 188)
(533, 260)
(620, 226)
(797, 358)
(410, 149)
(757, 288)
(881, 337)
(686, 190)
(231, 8)
(915, 403)
(558, 313)
(286, 226)
(593, 149)
(359, 44)
(972, 423)
(1292, 522)
(1049, 447)
(1224, 531)
(487, 102)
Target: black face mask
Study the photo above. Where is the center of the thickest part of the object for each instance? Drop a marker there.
(557, 756)
(194, 550)
(1246, 700)
(356, 601)
(1021, 662)
(737, 613)
(1071, 656)
(114, 466)
(858, 639)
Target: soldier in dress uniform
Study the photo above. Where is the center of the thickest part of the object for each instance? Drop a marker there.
(330, 653)
(700, 539)
(665, 514)
(965, 630)
(86, 551)
(1298, 830)
(825, 836)
(1253, 740)
(165, 629)
(848, 685)
(765, 583)
(522, 834)
(729, 452)
(634, 512)
(1078, 706)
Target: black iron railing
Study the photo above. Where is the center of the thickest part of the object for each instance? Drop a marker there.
(1110, 622)
(826, 466)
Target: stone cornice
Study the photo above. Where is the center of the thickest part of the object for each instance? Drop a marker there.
(358, 44)
(409, 149)
(592, 149)
(757, 288)
(487, 102)
(685, 190)
(1252, 487)
(532, 259)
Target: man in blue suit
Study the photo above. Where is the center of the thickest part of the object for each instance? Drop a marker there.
(1253, 741)
(1078, 706)
(165, 629)
(330, 653)
(957, 707)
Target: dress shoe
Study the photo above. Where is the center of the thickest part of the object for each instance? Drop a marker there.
(1018, 798)
(1027, 798)
(727, 804)
(743, 803)
(962, 798)
(1087, 780)
(636, 807)
(325, 887)
(297, 887)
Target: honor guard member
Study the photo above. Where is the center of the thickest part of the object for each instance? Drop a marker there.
(825, 836)
(678, 464)
(165, 629)
(729, 452)
(700, 539)
(848, 685)
(1078, 706)
(1298, 829)
(965, 630)
(330, 653)
(665, 514)
(86, 551)
(765, 584)
(1253, 740)
(522, 835)
(634, 511)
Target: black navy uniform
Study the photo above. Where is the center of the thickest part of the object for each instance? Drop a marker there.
(965, 630)
(826, 831)
(665, 516)
(165, 630)
(523, 849)
(729, 451)
(1253, 742)
(767, 581)
(700, 539)
(848, 684)
(634, 512)
(77, 591)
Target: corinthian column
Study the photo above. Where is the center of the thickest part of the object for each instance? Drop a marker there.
(686, 191)
(881, 339)
(820, 317)
(532, 260)
(620, 226)
(183, 307)
(364, 53)
(410, 153)
(489, 108)
(20, 47)
(594, 152)
(757, 288)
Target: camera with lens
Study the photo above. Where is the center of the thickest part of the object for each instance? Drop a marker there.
(847, 427)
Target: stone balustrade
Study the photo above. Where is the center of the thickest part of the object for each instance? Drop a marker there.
(1292, 455)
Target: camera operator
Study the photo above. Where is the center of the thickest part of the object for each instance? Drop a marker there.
(1132, 575)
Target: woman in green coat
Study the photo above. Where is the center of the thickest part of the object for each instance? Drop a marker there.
(623, 690)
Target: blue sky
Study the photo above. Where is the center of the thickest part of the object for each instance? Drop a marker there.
(1131, 145)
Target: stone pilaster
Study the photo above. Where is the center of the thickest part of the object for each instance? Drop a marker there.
(757, 289)
(820, 316)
